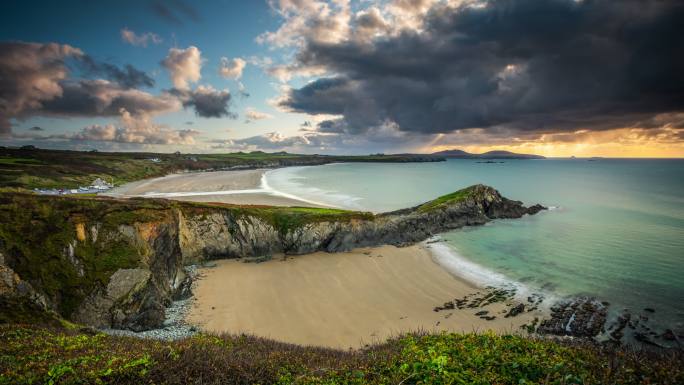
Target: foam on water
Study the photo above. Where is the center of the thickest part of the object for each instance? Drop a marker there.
(290, 179)
(450, 260)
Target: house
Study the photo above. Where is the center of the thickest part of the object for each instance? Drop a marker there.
(100, 184)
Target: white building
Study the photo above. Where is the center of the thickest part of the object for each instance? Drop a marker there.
(101, 184)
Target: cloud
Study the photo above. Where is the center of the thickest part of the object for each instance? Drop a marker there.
(308, 20)
(232, 69)
(252, 114)
(134, 129)
(97, 132)
(370, 23)
(184, 66)
(207, 101)
(34, 80)
(269, 141)
(141, 40)
(175, 11)
(523, 67)
(30, 74)
(128, 77)
(104, 98)
(385, 138)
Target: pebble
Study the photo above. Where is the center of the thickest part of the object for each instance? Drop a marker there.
(174, 327)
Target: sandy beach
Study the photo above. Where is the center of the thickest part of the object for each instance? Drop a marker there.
(342, 300)
(234, 187)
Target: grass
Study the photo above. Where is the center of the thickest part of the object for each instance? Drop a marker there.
(31, 354)
(454, 197)
(37, 231)
(21, 161)
(288, 219)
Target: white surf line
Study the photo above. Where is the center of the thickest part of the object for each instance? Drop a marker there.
(263, 189)
(455, 264)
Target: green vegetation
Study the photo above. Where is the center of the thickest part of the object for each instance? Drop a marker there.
(454, 197)
(287, 219)
(67, 356)
(34, 168)
(14, 161)
(38, 231)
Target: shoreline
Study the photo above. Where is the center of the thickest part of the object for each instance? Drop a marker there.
(347, 300)
(242, 187)
(249, 187)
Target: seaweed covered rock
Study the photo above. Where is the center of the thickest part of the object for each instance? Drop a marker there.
(579, 317)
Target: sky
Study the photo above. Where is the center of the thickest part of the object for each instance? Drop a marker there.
(551, 77)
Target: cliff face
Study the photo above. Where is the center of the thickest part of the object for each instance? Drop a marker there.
(112, 263)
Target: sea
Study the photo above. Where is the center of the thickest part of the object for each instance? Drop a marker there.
(614, 229)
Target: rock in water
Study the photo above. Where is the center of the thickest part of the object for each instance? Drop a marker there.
(669, 335)
(620, 325)
(515, 310)
(579, 317)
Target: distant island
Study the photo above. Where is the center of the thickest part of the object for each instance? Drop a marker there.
(460, 154)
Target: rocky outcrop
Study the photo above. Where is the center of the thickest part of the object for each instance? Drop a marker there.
(19, 301)
(579, 317)
(124, 259)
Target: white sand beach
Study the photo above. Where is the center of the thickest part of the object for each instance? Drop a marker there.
(341, 300)
(234, 187)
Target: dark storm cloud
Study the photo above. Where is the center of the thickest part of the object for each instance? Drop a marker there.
(207, 101)
(174, 11)
(35, 80)
(128, 76)
(30, 73)
(104, 98)
(531, 66)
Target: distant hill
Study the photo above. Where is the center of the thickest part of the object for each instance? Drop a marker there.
(460, 154)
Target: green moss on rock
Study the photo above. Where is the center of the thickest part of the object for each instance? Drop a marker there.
(455, 197)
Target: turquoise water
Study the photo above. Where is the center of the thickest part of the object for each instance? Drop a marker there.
(617, 230)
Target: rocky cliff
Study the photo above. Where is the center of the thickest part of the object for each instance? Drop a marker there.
(118, 263)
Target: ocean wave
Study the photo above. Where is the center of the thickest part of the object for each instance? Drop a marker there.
(265, 187)
(450, 260)
(289, 180)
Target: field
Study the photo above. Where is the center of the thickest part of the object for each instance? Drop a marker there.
(36, 168)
